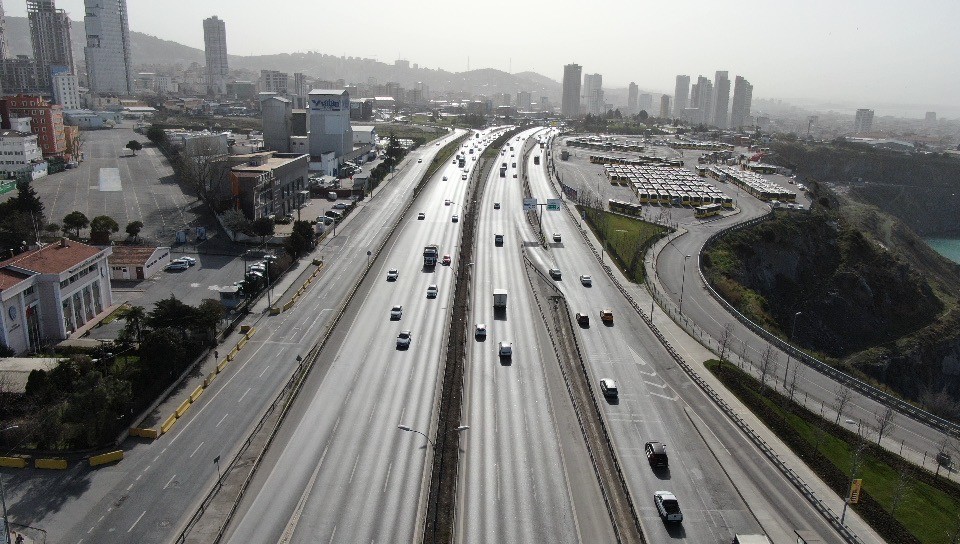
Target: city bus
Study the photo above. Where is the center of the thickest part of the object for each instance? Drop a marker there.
(626, 208)
(709, 210)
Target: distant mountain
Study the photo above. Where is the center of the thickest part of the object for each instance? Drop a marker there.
(153, 51)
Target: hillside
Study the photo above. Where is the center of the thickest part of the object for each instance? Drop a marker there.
(872, 297)
(153, 51)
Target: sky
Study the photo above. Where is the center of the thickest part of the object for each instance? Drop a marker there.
(859, 53)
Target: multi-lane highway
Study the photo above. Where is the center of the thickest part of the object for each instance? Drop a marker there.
(147, 496)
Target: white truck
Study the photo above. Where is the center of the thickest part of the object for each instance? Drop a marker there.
(499, 299)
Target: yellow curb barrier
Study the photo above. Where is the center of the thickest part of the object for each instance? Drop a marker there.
(165, 428)
(245, 328)
(209, 379)
(182, 409)
(241, 343)
(223, 364)
(13, 462)
(288, 305)
(196, 393)
(251, 331)
(105, 458)
(55, 464)
(274, 311)
(144, 433)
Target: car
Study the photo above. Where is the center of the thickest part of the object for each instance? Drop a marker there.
(583, 320)
(514, 175)
(176, 265)
(555, 273)
(421, 216)
(446, 202)
(656, 454)
(556, 237)
(432, 291)
(498, 239)
(396, 312)
(481, 331)
(455, 218)
(393, 274)
(404, 339)
(445, 261)
(340, 206)
(496, 205)
(463, 177)
(609, 388)
(505, 349)
(258, 267)
(586, 280)
(444, 178)
(668, 506)
(606, 315)
(419, 161)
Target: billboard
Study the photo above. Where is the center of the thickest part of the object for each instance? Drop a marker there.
(328, 104)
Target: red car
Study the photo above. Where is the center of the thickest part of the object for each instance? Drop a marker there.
(446, 260)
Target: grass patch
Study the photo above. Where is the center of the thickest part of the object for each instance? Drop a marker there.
(928, 505)
(119, 313)
(625, 238)
(416, 133)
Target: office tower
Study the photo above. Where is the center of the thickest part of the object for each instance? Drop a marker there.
(632, 93)
(272, 81)
(701, 98)
(863, 121)
(3, 40)
(721, 98)
(681, 96)
(570, 104)
(742, 96)
(215, 51)
(50, 35)
(665, 106)
(593, 93)
(646, 104)
(108, 47)
(524, 101)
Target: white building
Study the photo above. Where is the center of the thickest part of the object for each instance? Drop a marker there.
(364, 134)
(137, 262)
(66, 91)
(329, 122)
(215, 50)
(863, 122)
(593, 93)
(20, 152)
(108, 47)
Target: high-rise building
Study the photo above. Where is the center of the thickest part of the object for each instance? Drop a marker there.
(524, 101)
(701, 95)
(742, 97)
(330, 129)
(107, 53)
(681, 95)
(66, 91)
(863, 122)
(570, 105)
(272, 81)
(300, 87)
(930, 118)
(50, 35)
(721, 98)
(646, 103)
(665, 106)
(46, 121)
(593, 93)
(632, 92)
(215, 51)
(3, 40)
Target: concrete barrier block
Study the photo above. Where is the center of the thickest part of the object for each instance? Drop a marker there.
(245, 328)
(223, 364)
(144, 432)
(182, 409)
(168, 424)
(196, 393)
(288, 305)
(210, 377)
(105, 458)
(251, 332)
(241, 343)
(274, 311)
(53, 464)
(13, 462)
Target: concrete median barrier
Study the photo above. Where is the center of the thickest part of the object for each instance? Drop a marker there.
(50, 464)
(209, 379)
(144, 432)
(168, 424)
(223, 364)
(13, 462)
(105, 458)
(182, 409)
(196, 394)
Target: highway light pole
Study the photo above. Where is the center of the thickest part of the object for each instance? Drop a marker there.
(683, 281)
(409, 429)
(3, 500)
(793, 326)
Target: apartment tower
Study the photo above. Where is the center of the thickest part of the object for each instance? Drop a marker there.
(50, 36)
(108, 47)
(681, 96)
(721, 98)
(633, 95)
(570, 104)
(215, 51)
(742, 97)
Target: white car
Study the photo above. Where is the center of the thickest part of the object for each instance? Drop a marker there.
(481, 331)
(404, 339)
(189, 260)
(444, 178)
(419, 161)
(396, 312)
(667, 506)
(463, 177)
(393, 274)
(432, 291)
(505, 349)
(586, 280)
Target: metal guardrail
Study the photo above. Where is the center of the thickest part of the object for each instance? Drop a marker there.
(840, 376)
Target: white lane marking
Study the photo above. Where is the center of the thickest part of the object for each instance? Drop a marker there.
(264, 371)
(137, 479)
(221, 419)
(148, 468)
(352, 472)
(387, 479)
(136, 522)
(196, 450)
(170, 481)
(155, 458)
(244, 394)
(129, 487)
(331, 536)
(298, 511)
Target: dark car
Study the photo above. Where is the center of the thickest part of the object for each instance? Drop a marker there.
(656, 454)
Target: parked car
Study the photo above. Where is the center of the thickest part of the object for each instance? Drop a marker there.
(432, 291)
(419, 161)
(446, 202)
(176, 265)
(481, 331)
(396, 312)
(463, 177)
(609, 388)
(339, 206)
(656, 454)
(444, 178)
(393, 274)
(404, 339)
(668, 506)
(583, 320)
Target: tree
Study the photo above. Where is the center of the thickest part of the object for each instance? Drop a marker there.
(901, 489)
(156, 135)
(236, 222)
(768, 366)
(101, 227)
(133, 229)
(794, 374)
(171, 312)
(884, 419)
(262, 227)
(724, 342)
(208, 315)
(52, 229)
(27, 200)
(841, 396)
(134, 146)
(301, 239)
(205, 169)
(643, 116)
(136, 320)
(75, 220)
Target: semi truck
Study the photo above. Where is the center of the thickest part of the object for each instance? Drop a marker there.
(462, 162)
(536, 159)
(499, 299)
(430, 254)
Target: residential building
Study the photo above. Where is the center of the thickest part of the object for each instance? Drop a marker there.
(50, 36)
(742, 97)
(863, 122)
(66, 91)
(633, 94)
(276, 112)
(215, 53)
(570, 103)
(646, 104)
(701, 98)
(47, 121)
(299, 122)
(272, 81)
(20, 155)
(3, 39)
(664, 106)
(267, 183)
(49, 292)
(109, 69)
(524, 101)
(721, 98)
(300, 86)
(593, 94)
(330, 122)
(22, 75)
(681, 96)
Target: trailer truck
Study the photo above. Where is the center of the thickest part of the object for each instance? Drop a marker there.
(430, 254)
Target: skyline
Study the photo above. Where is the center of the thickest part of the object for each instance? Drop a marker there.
(867, 54)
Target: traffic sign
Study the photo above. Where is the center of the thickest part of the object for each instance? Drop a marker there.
(553, 204)
(529, 204)
(855, 491)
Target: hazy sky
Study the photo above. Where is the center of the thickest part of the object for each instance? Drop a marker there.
(862, 52)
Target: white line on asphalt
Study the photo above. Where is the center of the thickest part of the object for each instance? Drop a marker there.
(136, 522)
(137, 479)
(331, 536)
(148, 468)
(90, 530)
(264, 371)
(244, 394)
(155, 458)
(387, 479)
(101, 519)
(170, 481)
(221, 419)
(196, 450)
(355, 463)
(129, 487)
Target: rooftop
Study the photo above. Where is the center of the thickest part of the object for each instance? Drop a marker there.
(9, 278)
(131, 255)
(15, 133)
(328, 92)
(269, 160)
(52, 258)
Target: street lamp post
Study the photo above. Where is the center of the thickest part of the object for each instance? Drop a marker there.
(409, 429)
(3, 500)
(793, 326)
(683, 281)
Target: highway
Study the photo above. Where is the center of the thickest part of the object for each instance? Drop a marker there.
(149, 495)
(340, 470)
(657, 401)
(525, 474)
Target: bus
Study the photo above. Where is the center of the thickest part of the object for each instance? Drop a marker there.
(709, 210)
(626, 208)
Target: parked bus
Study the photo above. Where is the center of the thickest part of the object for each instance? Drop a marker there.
(709, 210)
(626, 208)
